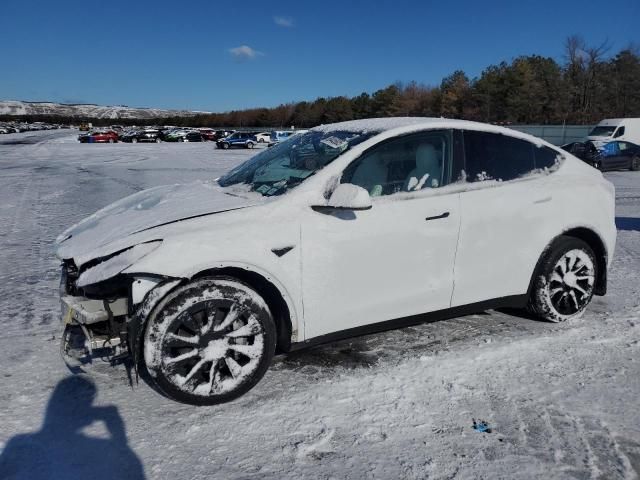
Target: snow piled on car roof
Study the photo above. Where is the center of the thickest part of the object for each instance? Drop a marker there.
(402, 125)
(374, 124)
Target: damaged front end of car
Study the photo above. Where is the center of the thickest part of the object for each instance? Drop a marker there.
(103, 307)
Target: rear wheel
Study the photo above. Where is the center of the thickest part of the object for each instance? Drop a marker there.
(250, 145)
(111, 140)
(565, 280)
(209, 342)
(635, 163)
(157, 140)
(134, 140)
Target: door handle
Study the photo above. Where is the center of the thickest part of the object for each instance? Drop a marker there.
(438, 217)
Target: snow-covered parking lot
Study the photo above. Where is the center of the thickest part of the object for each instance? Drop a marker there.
(561, 400)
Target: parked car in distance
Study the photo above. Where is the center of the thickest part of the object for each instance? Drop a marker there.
(586, 151)
(208, 134)
(278, 136)
(263, 137)
(183, 136)
(371, 224)
(193, 136)
(237, 139)
(615, 129)
(99, 137)
(223, 133)
(175, 135)
(148, 135)
(616, 155)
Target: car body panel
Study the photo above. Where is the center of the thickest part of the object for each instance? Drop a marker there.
(344, 270)
(393, 262)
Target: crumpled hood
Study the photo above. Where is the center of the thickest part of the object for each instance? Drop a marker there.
(148, 209)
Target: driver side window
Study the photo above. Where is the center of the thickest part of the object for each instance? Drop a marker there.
(404, 164)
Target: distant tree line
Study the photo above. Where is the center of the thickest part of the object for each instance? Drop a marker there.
(590, 84)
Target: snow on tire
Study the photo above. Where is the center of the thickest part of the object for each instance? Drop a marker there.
(209, 341)
(565, 280)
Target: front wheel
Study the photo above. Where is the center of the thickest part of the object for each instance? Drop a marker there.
(564, 282)
(209, 342)
(635, 163)
(225, 146)
(250, 145)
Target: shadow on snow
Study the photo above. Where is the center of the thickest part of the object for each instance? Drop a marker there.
(60, 449)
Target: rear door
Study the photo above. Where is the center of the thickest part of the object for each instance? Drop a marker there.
(504, 225)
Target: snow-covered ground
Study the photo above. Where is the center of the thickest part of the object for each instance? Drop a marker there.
(562, 400)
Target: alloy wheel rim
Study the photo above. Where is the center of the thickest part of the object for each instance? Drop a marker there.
(571, 282)
(212, 348)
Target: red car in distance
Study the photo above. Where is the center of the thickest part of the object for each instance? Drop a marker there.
(99, 137)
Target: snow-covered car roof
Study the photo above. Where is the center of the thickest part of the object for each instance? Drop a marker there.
(408, 124)
(375, 124)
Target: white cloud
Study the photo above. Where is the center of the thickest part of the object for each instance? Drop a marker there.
(244, 52)
(286, 22)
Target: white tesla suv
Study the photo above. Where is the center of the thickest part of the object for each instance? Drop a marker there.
(347, 229)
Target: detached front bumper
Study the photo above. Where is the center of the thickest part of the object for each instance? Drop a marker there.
(106, 328)
(92, 331)
(82, 310)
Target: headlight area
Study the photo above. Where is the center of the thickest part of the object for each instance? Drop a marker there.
(97, 304)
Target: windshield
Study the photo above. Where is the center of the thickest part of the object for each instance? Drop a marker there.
(602, 131)
(277, 169)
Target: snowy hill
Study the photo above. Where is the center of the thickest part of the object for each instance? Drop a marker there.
(16, 107)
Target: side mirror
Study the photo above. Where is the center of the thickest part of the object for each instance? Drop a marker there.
(347, 196)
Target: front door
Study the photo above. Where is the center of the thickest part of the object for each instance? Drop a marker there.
(394, 260)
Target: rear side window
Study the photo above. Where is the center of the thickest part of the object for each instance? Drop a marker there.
(491, 156)
(545, 157)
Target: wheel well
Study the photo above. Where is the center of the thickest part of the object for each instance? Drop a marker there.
(597, 245)
(270, 294)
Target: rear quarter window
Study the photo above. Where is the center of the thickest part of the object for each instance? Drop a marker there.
(491, 156)
(545, 157)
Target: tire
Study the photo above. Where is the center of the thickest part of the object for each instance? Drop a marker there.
(181, 139)
(250, 145)
(209, 341)
(134, 140)
(635, 163)
(225, 146)
(564, 281)
(111, 140)
(261, 140)
(157, 140)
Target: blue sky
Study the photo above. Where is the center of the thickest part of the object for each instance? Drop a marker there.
(193, 55)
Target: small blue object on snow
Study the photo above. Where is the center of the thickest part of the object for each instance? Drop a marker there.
(481, 426)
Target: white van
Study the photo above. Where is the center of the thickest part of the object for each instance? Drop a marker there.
(616, 128)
